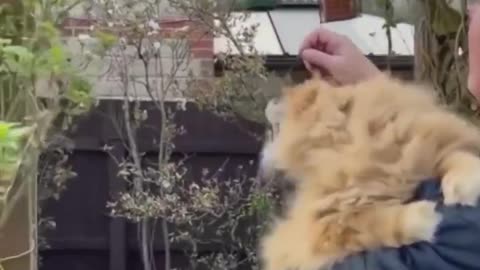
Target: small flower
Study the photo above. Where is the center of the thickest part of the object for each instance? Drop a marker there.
(166, 184)
(182, 104)
(84, 37)
(153, 25)
(144, 115)
(194, 187)
(183, 29)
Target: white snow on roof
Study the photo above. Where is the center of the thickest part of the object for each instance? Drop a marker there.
(292, 25)
(265, 40)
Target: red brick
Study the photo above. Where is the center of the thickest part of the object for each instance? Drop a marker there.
(202, 53)
(201, 40)
(174, 23)
(335, 10)
(204, 43)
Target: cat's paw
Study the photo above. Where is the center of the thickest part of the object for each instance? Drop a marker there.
(462, 186)
(421, 221)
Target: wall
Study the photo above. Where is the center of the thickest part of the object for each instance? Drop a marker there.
(85, 236)
(103, 73)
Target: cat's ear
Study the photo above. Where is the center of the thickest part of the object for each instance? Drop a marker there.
(302, 97)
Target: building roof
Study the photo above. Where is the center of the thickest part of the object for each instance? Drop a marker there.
(282, 30)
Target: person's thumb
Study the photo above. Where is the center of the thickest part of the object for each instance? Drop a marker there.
(317, 59)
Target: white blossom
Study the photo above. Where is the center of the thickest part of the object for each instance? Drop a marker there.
(182, 102)
(153, 25)
(166, 184)
(83, 37)
(183, 29)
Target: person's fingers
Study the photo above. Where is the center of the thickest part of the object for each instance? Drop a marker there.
(318, 39)
(307, 65)
(308, 42)
(474, 54)
(317, 59)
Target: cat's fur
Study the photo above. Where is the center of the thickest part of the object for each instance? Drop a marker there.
(356, 154)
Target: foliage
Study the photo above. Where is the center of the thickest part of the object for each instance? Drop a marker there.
(442, 50)
(443, 54)
(239, 90)
(10, 140)
(192, 211)
(38, 87)
(210, 210)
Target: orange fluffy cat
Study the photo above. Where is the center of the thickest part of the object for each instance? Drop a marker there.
(356, 153)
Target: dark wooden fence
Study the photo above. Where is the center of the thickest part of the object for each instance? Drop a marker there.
(86, 237)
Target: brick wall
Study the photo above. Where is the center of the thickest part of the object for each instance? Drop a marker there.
(102, 71)
(335, 10)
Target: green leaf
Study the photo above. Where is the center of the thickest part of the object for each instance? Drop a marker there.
(58, 59)
(4, 41)
(444, 19)
(57, 54)
(48, 30)
(21, 52)
(79, 84)
(107, 40)
(19, 133)
(5, 128)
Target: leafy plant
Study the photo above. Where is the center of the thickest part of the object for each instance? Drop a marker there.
(39, 86)
(443, 54)
(162, 191)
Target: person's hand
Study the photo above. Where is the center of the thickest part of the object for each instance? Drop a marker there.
(335, 55)
(474, 48)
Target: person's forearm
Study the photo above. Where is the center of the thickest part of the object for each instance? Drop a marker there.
(474, 54)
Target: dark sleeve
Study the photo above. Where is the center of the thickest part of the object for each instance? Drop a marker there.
(457, 245)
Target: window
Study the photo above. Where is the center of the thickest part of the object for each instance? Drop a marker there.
(271, 4)
(297, 3)
(255, 4)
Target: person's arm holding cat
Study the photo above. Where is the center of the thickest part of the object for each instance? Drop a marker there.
(458, 237)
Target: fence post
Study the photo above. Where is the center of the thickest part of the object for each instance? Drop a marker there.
(117, 227)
